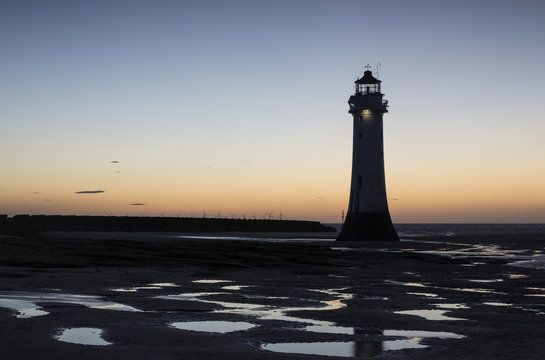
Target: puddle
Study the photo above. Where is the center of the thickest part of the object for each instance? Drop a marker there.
(280, 313)
(538, 263)
(451, 306)
(234, 287)
(436, 315)
(423, 334)
(221, 327)
(493, 303)
(24, 309)
(26, 303)
(83, 336)
(136, 288)
(330, 329)
(153, 286)
(486, 281)
(253, 296)
(406, 339)
(476, 290)
(427, 295)
(344, 349)
(164, 284)
(535, 288)
(210, 281)
(516, 276)
(415, 284)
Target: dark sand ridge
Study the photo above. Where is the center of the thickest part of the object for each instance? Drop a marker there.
(96, 266)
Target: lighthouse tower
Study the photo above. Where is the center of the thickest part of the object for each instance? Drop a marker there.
(368, 218)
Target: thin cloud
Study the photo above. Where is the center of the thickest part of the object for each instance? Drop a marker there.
(48, 199)
(138, 204)
(90, 192)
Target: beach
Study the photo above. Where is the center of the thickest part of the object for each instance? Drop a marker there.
(470, 296)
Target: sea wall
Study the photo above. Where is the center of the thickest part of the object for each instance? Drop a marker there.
(29, 224)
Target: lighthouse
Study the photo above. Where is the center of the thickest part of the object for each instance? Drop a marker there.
(368, 218)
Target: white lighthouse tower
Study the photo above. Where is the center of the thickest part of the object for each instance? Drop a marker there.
(368, 218)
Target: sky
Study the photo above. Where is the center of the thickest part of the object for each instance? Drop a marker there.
(239, 108)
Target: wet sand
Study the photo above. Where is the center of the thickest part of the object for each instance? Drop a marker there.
(502, 307)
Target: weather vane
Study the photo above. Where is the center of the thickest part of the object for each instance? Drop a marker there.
(367, 67)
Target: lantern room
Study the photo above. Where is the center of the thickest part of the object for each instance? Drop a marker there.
(367, 84)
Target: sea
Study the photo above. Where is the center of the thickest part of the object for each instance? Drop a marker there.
(529, 254)
(450, 229)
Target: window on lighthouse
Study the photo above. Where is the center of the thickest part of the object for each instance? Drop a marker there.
(365, 89)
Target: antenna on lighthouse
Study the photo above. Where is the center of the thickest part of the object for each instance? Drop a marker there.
(378, 66)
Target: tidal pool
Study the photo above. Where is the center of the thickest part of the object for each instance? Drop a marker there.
(221, 327)
(451, 306)
(82, 336)
(494, 303)
(26, 303)
(423, 334)
(344, 349)
(427, 295)
(152, 286)
(436, 315)
(271, 312)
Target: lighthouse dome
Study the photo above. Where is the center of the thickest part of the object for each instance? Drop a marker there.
(368, 78)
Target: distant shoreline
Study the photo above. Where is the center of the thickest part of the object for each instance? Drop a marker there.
(32, 224)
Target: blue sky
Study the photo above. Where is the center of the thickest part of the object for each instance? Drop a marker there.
(240, 106)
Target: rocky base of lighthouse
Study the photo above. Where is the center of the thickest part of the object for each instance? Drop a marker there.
(368, 226)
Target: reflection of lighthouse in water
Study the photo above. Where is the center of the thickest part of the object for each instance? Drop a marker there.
(368, 218)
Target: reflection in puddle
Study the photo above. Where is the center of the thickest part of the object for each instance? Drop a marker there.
(83, 336)
(451, 306)
(493, 303)
(475, 290)
(486, 280)
(429, 314)
(164, 284)
(210, 281)
(26, 303)
(25, 309)
(428, 295)
(329, 329)
(517, 276)
(423, 334)
(407, 339)
(136, 288)
(344, 349)
(153, 286)
(234, 287)
(270, 312)
(415, 284)
(535, 288)
(213, 326)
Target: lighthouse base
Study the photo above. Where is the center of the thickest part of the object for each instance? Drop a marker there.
(368, 226)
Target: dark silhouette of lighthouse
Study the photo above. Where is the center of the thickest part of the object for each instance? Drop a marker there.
(368, 218)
